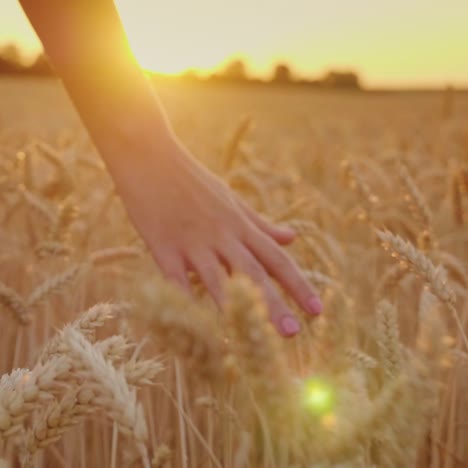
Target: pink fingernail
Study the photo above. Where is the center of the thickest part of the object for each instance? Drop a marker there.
(289, 326)
(289, 230)
(314, 305)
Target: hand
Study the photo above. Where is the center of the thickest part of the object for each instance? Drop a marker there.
(192, 221)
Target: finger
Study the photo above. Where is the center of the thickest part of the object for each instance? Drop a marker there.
(172, 267)
(284, 269)
(281, 234)
(281, 316)
(211, 273)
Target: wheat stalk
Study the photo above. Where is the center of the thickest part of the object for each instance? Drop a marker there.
(232, 146)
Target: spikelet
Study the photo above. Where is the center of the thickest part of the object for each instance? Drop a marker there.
(52, 423)
(353, 177)
(141, 372)
(388, 338)
(184, 329)
(360, 359)
(67, 213)
(96, 316)
(15, 303)
(115, 348)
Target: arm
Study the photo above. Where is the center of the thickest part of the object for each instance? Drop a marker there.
(188, 217)
(86, 43)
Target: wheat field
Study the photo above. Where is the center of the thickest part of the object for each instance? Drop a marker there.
(106, 365)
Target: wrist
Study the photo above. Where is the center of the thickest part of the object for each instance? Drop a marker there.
(134, 156)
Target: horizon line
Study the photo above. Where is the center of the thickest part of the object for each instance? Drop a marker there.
(27, 59)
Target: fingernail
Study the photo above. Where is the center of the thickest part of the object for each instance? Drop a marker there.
(289, 325)
(289, 230)
(314, 305)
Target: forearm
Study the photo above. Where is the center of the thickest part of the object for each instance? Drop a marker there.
(87, 46)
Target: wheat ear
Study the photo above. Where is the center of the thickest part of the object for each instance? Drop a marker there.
(55, 284)
(388, 338)
(22, 391)
(435, 277)
(184, 329)
(118, 399)
(13, 301)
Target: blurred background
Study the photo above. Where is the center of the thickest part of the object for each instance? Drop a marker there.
(372, 44)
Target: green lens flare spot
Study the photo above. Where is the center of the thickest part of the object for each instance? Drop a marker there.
(319, 396)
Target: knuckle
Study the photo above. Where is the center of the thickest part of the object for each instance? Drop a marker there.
(255, 270)
(280, 261)
(220, 233)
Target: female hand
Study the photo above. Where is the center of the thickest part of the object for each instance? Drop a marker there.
(192, 221)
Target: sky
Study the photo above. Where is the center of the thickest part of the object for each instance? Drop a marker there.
(397, 43)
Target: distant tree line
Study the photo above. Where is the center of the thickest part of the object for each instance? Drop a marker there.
(234, 72)
(12, 64)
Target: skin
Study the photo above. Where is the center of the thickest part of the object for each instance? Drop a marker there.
(189, 218)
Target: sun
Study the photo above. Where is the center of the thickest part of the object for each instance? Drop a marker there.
(165, 42)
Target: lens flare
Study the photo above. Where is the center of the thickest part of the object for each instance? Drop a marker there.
(319, 396)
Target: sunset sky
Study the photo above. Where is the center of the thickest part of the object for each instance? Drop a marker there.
(389, 43)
